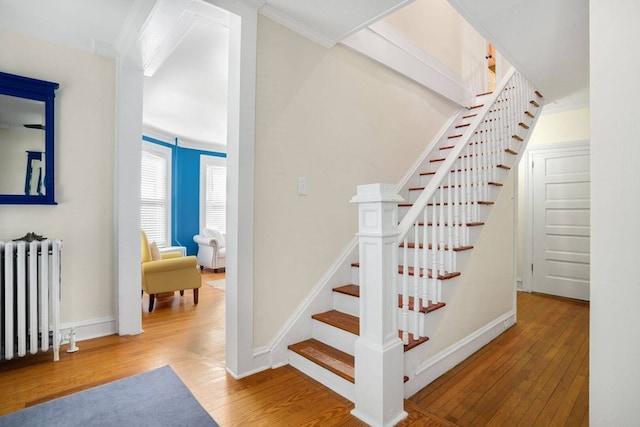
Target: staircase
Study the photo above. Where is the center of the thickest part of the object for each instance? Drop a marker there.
(448, 202)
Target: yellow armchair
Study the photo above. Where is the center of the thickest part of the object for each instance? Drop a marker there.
(171, 273)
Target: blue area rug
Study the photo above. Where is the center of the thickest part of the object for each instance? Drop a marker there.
(155, 398)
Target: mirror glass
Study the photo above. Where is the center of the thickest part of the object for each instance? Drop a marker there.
(26, 140)
(22, 146)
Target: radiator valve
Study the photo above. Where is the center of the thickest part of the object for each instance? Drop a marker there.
(71, 336)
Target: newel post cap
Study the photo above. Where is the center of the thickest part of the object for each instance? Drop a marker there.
(369, 193)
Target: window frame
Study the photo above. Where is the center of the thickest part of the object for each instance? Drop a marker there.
(167, 154)
(208, 160)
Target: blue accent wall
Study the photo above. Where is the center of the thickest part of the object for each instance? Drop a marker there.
(185, 192)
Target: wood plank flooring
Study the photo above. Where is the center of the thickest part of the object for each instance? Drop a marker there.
(536, 373)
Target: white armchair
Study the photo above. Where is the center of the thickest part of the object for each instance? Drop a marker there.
(211, 249)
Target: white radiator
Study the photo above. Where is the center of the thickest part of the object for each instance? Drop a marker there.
(30, 298)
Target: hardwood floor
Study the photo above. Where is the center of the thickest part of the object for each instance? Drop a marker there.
(536, 373)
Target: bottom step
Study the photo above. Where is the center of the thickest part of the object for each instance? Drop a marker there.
(336, 361)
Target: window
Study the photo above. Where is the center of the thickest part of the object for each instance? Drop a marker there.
(155, 183)
(213, 193)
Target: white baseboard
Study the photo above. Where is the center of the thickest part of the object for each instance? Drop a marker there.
(435, 366)
(92, 328)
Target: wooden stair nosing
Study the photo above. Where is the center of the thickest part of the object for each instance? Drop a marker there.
(468, 224)
(351, 324)
(430, 307)
(339, 320)
(349, 289)
(468, 116)
(480, 202)
(497, 184)
(410, 272)
(464, 125)
(411, 245)
(336, 361)
(354, 290)
(460, 170)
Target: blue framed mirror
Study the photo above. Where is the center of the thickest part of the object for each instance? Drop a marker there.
(26, 140)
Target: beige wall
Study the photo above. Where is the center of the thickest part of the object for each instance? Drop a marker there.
(83, 218)
(564, 126)
(340, 120)
(439, 30)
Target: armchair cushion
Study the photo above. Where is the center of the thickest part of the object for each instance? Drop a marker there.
(155, 252)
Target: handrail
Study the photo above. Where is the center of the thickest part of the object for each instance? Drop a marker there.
(420, 204)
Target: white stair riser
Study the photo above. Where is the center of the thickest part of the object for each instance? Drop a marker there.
(448, 287)
(431, 321)
(459, 258)
(335, 337)
(346, 303)
(493, 191)
(483, 212)
(474, 232)
(501, 175)
(325, 377)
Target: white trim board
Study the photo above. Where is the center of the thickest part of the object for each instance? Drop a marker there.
(385, 45)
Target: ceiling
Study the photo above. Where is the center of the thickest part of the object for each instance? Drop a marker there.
(182, 41)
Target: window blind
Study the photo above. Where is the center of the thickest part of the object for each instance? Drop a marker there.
(216, 198)
(154, 197)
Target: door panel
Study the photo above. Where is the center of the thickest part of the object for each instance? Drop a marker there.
(561, 223)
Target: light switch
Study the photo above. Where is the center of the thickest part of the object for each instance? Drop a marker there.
(302, 186)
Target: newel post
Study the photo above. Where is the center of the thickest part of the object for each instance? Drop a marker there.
(379, 358)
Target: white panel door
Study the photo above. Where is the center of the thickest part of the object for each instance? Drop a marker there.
(561, 226)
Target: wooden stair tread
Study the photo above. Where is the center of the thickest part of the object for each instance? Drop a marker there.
(464, 125)
(534, 103)
(468, 116)
(480, 202)
(446, 276)
(497, 184)
(339, 320)
(336, 361)
(424, 309)
(354, 290)
(454, 136)
(411, 245)
(468, 224)
(517, 137)
(350, 289)
(485, 93)
(413, 342)
(476, 106)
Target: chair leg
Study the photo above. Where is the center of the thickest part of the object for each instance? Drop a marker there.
(181, 292)
(195, 295)
(152, 299)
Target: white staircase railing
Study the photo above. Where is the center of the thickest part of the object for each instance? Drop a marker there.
(439, 219)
